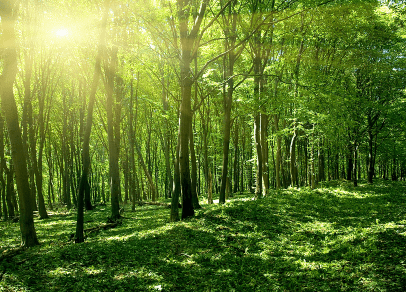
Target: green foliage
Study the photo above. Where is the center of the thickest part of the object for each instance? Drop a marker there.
(337, 238)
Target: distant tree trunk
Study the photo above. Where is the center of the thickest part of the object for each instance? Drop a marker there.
(278, 152)
(355, 147)
(371, 162)
(176, 187)
(8, 15)
(9, 192)
(210, 189)
(313, 168)
(146, 171)
(236, 159)
(166, 141)
(293, 170)
(114, 170)
(322, 175)
(195, 199)
(132, 125)
(38, 165)
(350, 165)
(265, 153)
(2, 168)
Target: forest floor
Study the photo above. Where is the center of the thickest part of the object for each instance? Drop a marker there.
(335, 238)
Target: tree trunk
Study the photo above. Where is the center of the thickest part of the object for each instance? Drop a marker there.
(265, 153)
(355, 177)
(195, 199)
(2, 168)
(38, 165)
(370, 157)
(278, 152)
(167, 141)
(350, 165)
(9, 192)
(189, 42)
(114, 170)
(257, 126)
(8, 16)
(236, 159)
(86, 137)
(176, 187)
(293, 170)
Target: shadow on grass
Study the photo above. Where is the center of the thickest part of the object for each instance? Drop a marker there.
(332, 239)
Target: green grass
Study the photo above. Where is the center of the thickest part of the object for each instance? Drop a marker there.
(336, 238)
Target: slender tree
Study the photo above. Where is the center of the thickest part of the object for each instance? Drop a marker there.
(8, 15)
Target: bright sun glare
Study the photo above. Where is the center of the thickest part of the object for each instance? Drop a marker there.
(62, 32)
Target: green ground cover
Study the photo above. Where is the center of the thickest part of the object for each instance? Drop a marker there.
(336, 238)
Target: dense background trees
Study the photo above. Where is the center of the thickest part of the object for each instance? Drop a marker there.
(126, 101)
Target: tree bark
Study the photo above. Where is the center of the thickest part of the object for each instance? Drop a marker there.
(195, 199)
(293, 170)
(265, 153)
(176, 187)
(278, 153)
(88, 128)
(8, 16)
(114, 170)
(230, 23)
(189, 42)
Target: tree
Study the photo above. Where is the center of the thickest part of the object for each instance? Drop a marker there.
(83, 183)
(8, 16)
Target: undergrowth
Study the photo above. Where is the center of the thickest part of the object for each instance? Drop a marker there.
(335, 238)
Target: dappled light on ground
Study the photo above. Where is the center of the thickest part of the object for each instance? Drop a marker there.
(331, 239)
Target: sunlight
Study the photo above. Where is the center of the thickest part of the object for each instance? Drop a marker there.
(62, 32)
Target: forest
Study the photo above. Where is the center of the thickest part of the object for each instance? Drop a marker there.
(271, 131)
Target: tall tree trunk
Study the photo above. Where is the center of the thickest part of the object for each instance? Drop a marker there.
(8, 16)
(265, 153)
(38, 165)
(189, 42)
(132, 170)
(293, 170)
(230, 24)
(27, 121)
(88, 128)
(236, 159)
(167, 141)
(114, 170)
(371, 162)
(3, 168)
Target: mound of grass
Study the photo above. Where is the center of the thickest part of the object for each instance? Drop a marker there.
(336, 238)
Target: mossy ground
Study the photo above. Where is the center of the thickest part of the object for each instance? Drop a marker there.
(335, 238)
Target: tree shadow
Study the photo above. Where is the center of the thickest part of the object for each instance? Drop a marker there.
(292, 241)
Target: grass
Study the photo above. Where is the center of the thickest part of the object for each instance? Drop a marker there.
(336, 238)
